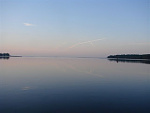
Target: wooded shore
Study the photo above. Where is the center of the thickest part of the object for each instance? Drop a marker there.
(130, 56)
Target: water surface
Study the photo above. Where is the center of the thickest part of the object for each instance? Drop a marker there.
(73, 85)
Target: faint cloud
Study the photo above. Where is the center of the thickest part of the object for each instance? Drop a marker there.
(28, 24)
(86, 42)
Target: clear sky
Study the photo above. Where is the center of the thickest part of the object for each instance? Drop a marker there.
(74, 27)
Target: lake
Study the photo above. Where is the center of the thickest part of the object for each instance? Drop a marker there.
(73, 85)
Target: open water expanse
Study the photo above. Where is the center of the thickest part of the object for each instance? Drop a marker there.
(73, 85)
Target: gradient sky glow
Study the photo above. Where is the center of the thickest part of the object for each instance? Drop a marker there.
(74, 27)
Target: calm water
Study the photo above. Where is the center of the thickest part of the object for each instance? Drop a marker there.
(73, 85)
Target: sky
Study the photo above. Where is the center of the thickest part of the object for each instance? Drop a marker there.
(88, 28)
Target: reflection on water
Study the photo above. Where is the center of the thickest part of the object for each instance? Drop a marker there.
(130, 61)
(4, 58)
(73, 85)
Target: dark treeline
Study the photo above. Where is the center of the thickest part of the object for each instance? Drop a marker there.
(4, 55)
(131, 56)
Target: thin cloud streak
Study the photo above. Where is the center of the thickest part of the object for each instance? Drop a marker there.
(80, 43)
(28, 24)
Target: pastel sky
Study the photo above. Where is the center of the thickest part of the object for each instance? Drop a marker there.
(95, 28)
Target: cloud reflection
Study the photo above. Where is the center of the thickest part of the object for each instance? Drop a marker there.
(26, 88)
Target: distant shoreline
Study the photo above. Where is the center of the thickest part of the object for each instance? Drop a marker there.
(130, 56)
(15, 56)
(7, 55)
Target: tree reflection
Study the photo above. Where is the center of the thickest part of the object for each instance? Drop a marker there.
(5, 58)
(130, 61)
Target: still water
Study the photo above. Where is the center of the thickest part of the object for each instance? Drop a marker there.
(73, 85)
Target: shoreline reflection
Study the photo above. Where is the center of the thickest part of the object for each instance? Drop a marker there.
(130, 61)
(5, 58)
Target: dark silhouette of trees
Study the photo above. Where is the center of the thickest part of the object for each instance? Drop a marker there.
(4, 55)
(131, 56)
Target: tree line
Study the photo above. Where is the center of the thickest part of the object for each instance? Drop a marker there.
(131, 56)
(4, 54)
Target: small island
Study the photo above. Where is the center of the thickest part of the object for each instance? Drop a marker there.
(130, 56)
(6, 56)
